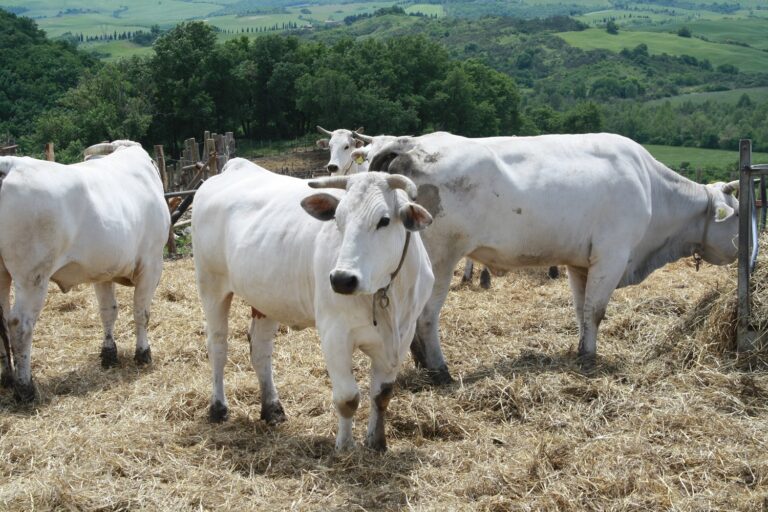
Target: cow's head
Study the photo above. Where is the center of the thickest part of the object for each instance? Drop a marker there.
(341, 143)
(720, 244)
(372, 217)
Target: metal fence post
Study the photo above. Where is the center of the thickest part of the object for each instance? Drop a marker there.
(744, 337)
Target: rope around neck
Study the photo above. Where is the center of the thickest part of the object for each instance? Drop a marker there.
(381, 294)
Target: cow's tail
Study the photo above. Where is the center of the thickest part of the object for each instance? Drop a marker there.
(6, 165)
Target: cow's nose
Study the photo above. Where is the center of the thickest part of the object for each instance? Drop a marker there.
(343, 282)
(333, 168)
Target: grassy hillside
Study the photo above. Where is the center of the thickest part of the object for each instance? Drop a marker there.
(746, 59)
(699, 158)
(756, 94)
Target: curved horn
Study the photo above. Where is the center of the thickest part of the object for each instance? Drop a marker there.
(730, 188)
(396, 181)
(359, 136)
(330, 182)
(103, 148)
(360, 130)
(323, 130)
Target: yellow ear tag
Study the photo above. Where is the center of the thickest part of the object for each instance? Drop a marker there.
(721, 213)
(359, 159)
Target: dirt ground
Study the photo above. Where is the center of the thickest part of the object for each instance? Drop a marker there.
(669, 419)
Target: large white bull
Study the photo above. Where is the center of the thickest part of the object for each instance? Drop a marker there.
(361, 279)
(102, 221)
(598, 203)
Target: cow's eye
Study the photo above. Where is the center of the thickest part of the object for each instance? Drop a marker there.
(384, 222)
(346, 147)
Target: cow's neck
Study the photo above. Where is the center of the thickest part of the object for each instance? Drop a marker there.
(677, 224)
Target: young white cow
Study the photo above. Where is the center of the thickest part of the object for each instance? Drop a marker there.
(362, 279)
(103, 221)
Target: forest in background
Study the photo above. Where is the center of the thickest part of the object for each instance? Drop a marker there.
(388, 71)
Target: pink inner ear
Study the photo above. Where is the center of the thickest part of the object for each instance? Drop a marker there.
(318, 203)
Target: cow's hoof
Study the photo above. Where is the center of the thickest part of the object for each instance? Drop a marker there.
(378, 445)
(24, 393)
(218, 412)
(108, 357)
(6, 380)
(485, 279)
(143, 356)
(586, 361)
(441, 376)
(273, 413)
(553, 272)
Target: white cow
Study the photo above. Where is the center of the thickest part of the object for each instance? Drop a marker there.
(358, 279)
(103, 221)
(598, 203)
(341, 144)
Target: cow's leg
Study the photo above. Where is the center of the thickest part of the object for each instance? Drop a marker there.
(469, 266)
(262, 339)
(485, 278)
(383, 376)
(26, 309)
(105, 296)
(337, 351)
(577, 278)
(146, 283)
(425, 347)
(602, 278)
(553, 272)
(6, 377)
(216, 310)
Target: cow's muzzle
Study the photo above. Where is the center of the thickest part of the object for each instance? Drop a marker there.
(344, 282)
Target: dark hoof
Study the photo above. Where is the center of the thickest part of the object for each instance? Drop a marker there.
(218, 412)
(378, 445)
(108, 357)
(485, 279)
(24, 393)
(586, 361)
(440, 377)
(6, 380)
(143, 356)
(273, 413)
(553, 272)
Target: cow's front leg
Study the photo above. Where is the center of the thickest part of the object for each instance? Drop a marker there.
(262, 339)
(105, 296)
(6, 375)
(146, 283)
(383, 376)
(26, 309)
(425, 347)
(337, 350)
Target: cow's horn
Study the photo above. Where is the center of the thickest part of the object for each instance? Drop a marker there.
(330, 182)
(323, 131)
(396, 181)
(730, 188)
(103, 148)
(360, 130)
(359, 136)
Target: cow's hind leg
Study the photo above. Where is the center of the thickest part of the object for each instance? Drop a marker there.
(26, 309)
(383, 376)
(6, 377)
(469, 266)
(262, 340)
(146, 282)
(216, 309)
(577, 278)
(485, 278)
(602, 278)
(105, 296)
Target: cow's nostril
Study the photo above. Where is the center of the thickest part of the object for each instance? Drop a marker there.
(333, 168)
(343, 282)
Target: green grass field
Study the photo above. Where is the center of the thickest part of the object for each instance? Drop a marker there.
(751, 31)
(746, 59)
(756, 94)
(699, 158)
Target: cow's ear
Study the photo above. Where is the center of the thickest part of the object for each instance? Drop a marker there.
(359, 143)
(321, 206)
(723, 211)
(322, 143)
(358, 156)
(415, 217)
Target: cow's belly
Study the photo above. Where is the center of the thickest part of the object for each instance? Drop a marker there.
(530, 256)
(278, 301)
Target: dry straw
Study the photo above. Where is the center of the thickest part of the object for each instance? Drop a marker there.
(669, 419)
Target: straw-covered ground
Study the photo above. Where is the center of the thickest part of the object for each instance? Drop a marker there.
(668, 420)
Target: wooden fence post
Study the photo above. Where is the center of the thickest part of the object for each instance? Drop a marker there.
(160, 159)
(744, 338)
(49, 153)
(210, 148)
